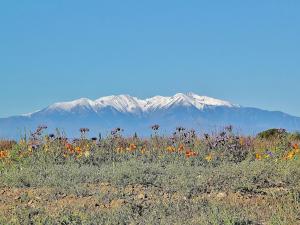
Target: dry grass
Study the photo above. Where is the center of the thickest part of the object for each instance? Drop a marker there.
(183, 179)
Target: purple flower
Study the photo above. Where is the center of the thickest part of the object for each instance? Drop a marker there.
(269, 153)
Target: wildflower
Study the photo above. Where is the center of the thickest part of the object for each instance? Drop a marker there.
(290, 155)
(69, 147)
(209, 157)
(94, 139)
(22, 142)
(189, 153)
(29, 149)
(3, 154)
(269, 154)
(171, 149)
(131, 147)
(229, 128)
(78, 150)
(295, 146)
(116, 131)
(242, 141)
(84, 130)
(192, 133)
(179, 129)
(155, 127)
(143, 150)
(258, 156)
(282, 131)
(181, 148)
(120, 149)
(206, 136)
(222, 134)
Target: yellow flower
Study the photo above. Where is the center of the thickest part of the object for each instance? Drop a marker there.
(143, 150)
(78, 149)
(290, 155)
(171, 149)
(209, 157)
(258, 156)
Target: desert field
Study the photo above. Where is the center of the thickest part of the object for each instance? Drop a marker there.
(184, 178)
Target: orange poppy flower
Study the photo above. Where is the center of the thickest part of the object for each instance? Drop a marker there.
(69, 146)
(3, 154)
(181, 148)
(295, 146)
(189, 153)
(132, 147)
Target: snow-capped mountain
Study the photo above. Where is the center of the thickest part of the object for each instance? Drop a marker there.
(137, 115)
(129, 104)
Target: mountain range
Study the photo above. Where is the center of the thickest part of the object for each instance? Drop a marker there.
(204, 114)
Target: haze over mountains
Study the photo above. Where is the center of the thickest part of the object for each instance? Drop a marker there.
(189, 110)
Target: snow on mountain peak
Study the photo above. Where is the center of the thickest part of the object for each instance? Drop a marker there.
(129, 104)
(67, 106)
(204, 100)
(189, 99)
(123, 103)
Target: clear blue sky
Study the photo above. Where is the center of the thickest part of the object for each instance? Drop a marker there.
(247, 52)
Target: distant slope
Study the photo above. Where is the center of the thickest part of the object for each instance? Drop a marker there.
(136, 115)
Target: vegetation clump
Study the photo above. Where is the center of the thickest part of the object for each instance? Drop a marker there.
(186, 178)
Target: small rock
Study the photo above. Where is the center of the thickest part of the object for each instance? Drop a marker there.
(166, 196)
(221, 195)
(141, 196)
(30, 202)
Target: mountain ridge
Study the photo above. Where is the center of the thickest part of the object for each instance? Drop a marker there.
(190, 110)
(127, 103)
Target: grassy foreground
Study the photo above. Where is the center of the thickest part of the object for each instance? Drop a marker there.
(182, 179)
